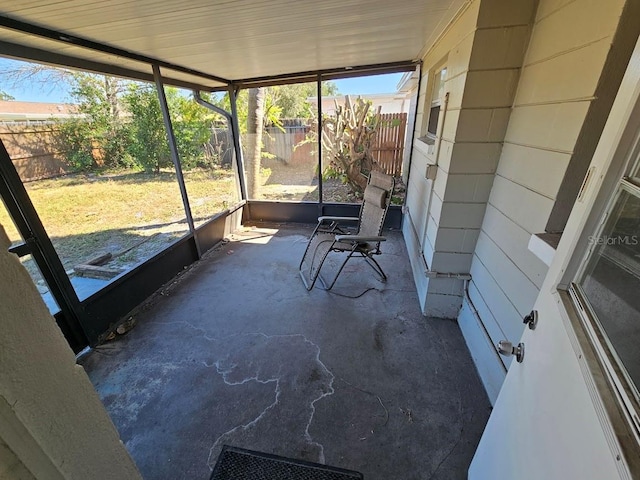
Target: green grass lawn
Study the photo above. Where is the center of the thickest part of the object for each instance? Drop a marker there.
(89, 214)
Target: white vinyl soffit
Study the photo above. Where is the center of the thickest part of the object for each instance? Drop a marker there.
(239, 39)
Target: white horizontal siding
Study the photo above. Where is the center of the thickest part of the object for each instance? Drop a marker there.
(535, 169)
(464, 188)
(482, 125)
(570, 75)
(489, 322)
(498, 48)
(563, 64)
(471, 158)
(523, 206)
(572, 26)
(493, 88)
(483, 353)
(454, 240)
(550, 127)
(513, 240)
(453, 49)
(520, 291)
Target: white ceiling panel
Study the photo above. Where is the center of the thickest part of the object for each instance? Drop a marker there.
(239, 39)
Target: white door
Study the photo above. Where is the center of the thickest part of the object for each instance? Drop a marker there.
(550, 421)
(544, 424)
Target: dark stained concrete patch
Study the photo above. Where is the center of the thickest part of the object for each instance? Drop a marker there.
(238, 352)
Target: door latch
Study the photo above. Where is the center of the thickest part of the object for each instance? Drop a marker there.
(531, 320)
(507, 349)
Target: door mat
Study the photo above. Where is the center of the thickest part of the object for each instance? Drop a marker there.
(240, 464)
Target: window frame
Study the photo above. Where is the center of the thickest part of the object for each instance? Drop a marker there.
(619, 385)
(435, 99)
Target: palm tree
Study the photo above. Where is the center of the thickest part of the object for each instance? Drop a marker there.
(255, 123)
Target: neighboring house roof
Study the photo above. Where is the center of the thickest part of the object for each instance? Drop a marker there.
(15, 111)
(408, 81)
(390, 102)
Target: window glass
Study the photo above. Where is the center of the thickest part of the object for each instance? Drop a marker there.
(611, 281)
(436, 101)
(438, 87)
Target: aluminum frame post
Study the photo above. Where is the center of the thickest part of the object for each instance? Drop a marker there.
(235, 130)
(413, 129)
(201, 101)
(175, 156)
(39, 245)
(319, 126)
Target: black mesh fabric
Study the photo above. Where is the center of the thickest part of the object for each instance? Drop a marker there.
(238, 464)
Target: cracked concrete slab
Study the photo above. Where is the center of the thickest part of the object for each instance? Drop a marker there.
(238, 352)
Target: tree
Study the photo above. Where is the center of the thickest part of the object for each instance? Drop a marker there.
(149, 144)
(99, 137)
(122, 125)
(281, 101)
(5, 96)
(255, 123)
(99, 98)
(192, 125)
(347, 138)
(292, 100)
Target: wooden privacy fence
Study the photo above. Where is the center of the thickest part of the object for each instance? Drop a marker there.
(388, 145)
(287, 145)
(35, 153)
(387, 149)
(33, 149)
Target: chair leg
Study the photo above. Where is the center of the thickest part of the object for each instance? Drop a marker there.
(344, 263)
(314, 273)
(315, 230)
(376, 267)
(332, 228)
(370, 261)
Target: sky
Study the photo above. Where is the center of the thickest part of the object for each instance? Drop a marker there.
(34, 91)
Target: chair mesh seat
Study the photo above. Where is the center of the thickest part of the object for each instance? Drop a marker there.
(320, 246)
(363, 243)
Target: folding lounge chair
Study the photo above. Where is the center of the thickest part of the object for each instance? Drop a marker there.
(331, 235)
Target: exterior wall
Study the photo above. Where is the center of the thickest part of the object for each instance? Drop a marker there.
(564, 62)
(51, 420)
(454, 47)
(559, 405)
(483, 52)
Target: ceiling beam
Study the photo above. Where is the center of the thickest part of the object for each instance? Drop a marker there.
(327, 74)
(20, 52)
(63, 37)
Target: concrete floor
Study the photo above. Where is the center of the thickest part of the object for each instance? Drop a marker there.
(237, 352)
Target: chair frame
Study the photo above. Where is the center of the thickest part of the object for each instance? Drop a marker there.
(356, 246)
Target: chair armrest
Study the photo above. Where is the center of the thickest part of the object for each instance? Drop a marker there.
(359, 238)
(338, 219)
